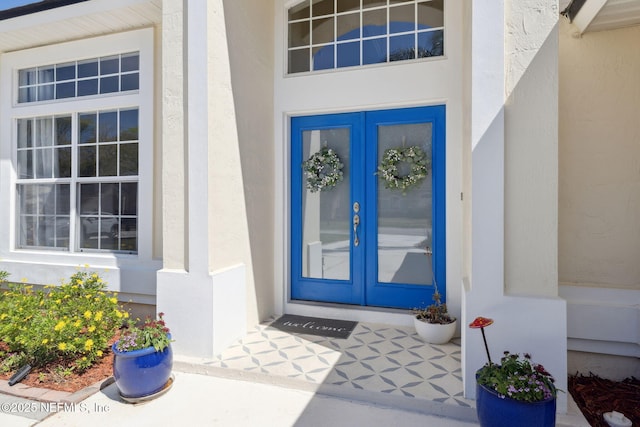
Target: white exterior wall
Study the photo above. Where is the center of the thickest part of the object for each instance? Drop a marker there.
(600, 158)
(213, 70)
(599, 235)
(251, 85)
(197, 299)
(513, 277)
(531, 148)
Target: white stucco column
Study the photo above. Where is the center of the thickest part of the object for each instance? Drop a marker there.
(526, 320)
(205, 310)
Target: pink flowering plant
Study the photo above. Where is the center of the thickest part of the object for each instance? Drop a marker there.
(152, 333)
(519, 378)
(516, 377)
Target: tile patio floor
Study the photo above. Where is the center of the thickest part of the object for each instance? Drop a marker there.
(380, 363)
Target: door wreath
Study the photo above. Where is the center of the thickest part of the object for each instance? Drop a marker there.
(417, 160)
(324, 170)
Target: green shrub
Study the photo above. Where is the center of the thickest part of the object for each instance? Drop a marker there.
(72, 322)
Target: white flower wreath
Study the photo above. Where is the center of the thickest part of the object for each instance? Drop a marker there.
(324, 170)
(414, 156)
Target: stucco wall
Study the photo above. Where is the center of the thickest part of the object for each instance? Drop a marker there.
(173, 129)
(531, 148)
(217, 142)
(599, 235)
(251, 74)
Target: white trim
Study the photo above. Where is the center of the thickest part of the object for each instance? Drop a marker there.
(587, 13)
(55, 264)
(77, 10)
(603, 320)
(214, 303)
(197, 118)
(353, 313)
(613, 348)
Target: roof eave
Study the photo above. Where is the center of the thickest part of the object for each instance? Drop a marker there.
(35, 8)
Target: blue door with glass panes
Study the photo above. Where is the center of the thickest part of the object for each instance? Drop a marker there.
(368, 207)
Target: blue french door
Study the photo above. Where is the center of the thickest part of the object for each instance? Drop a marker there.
(355, 238)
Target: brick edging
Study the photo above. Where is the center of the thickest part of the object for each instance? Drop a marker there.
(48, 395)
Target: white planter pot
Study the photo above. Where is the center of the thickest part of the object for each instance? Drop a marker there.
(435, 333)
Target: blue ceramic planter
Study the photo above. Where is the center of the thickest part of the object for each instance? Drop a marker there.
(495, 411)
(141, 373)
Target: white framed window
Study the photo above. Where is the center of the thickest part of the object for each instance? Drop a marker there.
(87, 160)
(115, 73)
(77, 130)
(329, 34)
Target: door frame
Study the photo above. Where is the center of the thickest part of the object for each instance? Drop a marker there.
(380, 291)
(363, 127)
(342, 291)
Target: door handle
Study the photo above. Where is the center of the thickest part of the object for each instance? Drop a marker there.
(356, 223)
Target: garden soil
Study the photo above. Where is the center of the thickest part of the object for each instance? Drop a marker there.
(50, 378)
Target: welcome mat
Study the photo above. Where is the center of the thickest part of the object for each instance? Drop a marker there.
(330, 328)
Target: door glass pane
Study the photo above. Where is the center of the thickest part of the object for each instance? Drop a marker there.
(326, 213)
(405, 218)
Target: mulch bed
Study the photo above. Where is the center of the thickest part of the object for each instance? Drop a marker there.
(46, 376)
(595, 396)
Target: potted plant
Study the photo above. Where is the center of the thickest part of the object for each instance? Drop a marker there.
(143, 360)
(433, 323)
(515, 392)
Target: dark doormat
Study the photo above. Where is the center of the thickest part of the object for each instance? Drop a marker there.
(330, 328)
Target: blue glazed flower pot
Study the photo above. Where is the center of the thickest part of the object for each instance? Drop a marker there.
(496, 411)
(141, 373)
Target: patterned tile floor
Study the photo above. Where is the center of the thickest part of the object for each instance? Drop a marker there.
(376, 358)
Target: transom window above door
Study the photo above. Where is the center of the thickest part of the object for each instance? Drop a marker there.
(329, 34)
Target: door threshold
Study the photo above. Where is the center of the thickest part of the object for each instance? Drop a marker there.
(388, 316)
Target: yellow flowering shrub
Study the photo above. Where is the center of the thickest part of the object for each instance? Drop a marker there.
(72, 322)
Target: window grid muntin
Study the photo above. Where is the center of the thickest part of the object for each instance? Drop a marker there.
(33, 213)
(387, 7)
(35, 148)
(108, 228)
(121, 141)
(36, 89)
